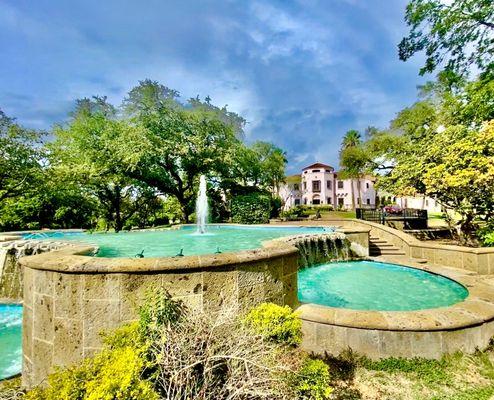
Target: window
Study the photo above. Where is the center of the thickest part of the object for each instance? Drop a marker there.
(328, 184)
(316, 186)
(368, 202)
(328, 170)
(316, 201)
(305, 185)
(341, 201)
(297, 202)
(305, 201)
(316, 170)
(329, 200)
(340, 184)
(296, 187)
(367, 185)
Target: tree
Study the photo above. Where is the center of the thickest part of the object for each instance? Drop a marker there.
(21, 157)
(349, 146)
(459, 172)
(351, 139)
(174, 147)
(456, 35)
(148, 96)
(86, 153)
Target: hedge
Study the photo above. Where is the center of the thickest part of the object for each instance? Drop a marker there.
(251, 208)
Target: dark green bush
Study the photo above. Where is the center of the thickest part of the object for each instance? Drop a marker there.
(254, 208)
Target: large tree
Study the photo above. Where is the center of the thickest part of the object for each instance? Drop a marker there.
(21, 157)
(455, 35)
(85, 153)
(174, 147)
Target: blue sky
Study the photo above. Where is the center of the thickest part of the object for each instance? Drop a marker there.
(301, 72)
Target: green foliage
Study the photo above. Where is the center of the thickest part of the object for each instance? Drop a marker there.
(112, 374)
(159, 310)
(429, 371)
(20, 158)
(486, 234)
(454, 34)
(312, 380)
(275, 206)
(254, 208)
(276, 323)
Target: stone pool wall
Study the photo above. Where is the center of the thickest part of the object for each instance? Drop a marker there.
(11, 249)
(479, 260)
(69, 299)
(465, 326)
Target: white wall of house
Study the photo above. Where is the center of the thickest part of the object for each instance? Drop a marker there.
(319, 185)
(420, 202)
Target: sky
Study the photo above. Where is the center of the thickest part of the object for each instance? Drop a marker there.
(302, 72)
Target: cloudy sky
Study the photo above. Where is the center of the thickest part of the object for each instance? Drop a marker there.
(301, 72)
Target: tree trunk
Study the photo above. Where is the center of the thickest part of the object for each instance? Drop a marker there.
(353, 195)
(359, 191)
(118, 211)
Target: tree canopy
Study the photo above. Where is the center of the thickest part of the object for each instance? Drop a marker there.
(133, 165)
(454, 35)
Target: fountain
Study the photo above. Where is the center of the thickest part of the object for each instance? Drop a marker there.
(202, 206)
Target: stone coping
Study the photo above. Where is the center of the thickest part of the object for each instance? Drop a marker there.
(412, 241)
(75, 258)
(475, 310)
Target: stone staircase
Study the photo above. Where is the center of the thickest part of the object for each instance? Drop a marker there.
(380, 247)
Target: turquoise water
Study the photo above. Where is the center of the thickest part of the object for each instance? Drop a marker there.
(369, 285)
(10, 340)
(170, 242)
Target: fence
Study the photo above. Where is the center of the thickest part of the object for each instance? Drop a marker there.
(407, 215)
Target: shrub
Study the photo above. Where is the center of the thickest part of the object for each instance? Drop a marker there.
(214, 357)
(112, 374)
(486, 235)
(253, 208)
(312, 381)
(159, 310)
(276, 323)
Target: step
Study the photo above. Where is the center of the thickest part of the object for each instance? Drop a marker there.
(384, 245)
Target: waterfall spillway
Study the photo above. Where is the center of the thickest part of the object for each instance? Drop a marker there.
(202, 206)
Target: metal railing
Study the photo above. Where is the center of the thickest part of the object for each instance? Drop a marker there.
(380, 216)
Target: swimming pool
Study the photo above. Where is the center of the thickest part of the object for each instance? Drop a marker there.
(369, 285)
(166, 243)
(10, 340)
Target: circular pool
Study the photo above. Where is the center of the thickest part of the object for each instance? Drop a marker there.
(184, 240)
(10, 340)
(369, 285)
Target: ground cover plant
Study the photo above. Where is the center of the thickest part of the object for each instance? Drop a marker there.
(166, 351)
(172, 352)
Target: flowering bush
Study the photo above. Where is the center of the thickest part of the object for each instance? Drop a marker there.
(276, 323)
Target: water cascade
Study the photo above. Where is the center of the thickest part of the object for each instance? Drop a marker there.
(316, 250)
(202, 206)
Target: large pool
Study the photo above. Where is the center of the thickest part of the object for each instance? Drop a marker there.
(369, 285)
(10, 339)
(165, 243)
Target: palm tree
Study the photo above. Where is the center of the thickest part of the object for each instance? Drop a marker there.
(352, 139)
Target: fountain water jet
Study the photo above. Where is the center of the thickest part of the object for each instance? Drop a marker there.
(202, 206)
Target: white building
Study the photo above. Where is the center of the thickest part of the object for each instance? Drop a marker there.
(318, 184)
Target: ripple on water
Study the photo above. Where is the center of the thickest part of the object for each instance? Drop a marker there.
(10, 340)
